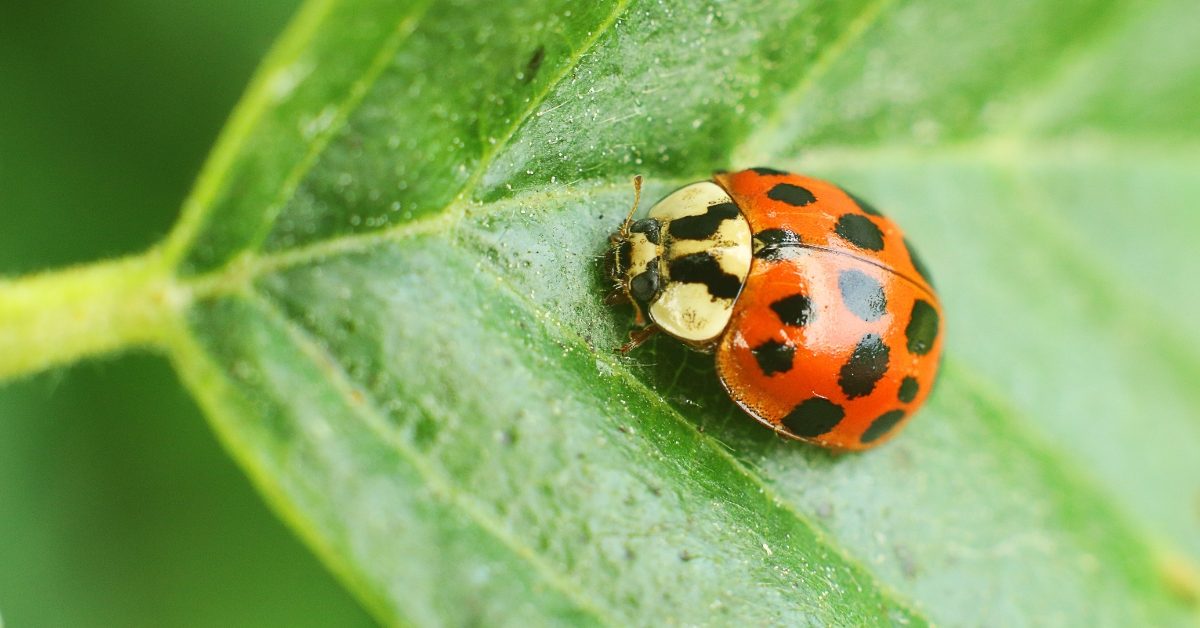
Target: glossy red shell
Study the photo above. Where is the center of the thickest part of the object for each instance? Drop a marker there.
(837, 334)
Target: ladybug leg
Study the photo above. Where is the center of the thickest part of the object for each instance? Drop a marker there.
(637, 337)
(616, 296)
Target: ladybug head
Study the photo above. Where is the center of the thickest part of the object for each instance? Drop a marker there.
(632, 260)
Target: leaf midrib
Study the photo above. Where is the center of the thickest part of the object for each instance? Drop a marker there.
(999, 151)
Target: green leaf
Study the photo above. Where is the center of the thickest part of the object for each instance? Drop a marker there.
(390, 306)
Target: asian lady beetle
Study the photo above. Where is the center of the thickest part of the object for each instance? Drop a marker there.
(825, 325)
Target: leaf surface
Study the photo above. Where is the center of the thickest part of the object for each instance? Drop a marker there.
(397, 324)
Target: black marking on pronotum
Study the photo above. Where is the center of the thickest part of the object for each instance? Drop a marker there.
(922, 270)
(791, 194)
(704, 269)
(534, 64)
(865, 367)
(922, 328)
(649, 227)
(863, 205)
(862, 295)
(768, 172)
(813, 417)
(774, 357)
(645, 285)
(775, 244)
(795, 310)
(704, 225)
(908, 389)
(859, 231)
(624, 256)
(882, 425)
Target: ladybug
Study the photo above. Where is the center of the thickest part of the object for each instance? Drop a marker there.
(824, 322)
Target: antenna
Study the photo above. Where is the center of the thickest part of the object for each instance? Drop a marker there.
(637, 199)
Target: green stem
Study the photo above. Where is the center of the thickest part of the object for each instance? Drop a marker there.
(62, 316)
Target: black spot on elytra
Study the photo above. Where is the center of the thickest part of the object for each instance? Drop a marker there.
(534, 64)
(917, 263)
(777, 237)
(813, 417)
(863, 205)
(775, 244)
(774, 357)
(795, 310)
(767, 172)
(791, 194)
(862, 295)
(908, 389)
(704, 225)
(704, 269)
(882, 425)
(650, 227)
(859, 231)
(865, 367)
(922, 328)
(645, 285)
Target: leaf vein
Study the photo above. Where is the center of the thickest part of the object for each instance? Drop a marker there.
(470, 185)
(375, 420)
(857, 27)
(236, 276)
(212, 388)
(246, 114)
(357, 93)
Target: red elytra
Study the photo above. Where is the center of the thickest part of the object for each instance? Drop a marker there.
(836, 335)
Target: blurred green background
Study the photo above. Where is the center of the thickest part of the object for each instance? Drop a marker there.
(117, 505)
